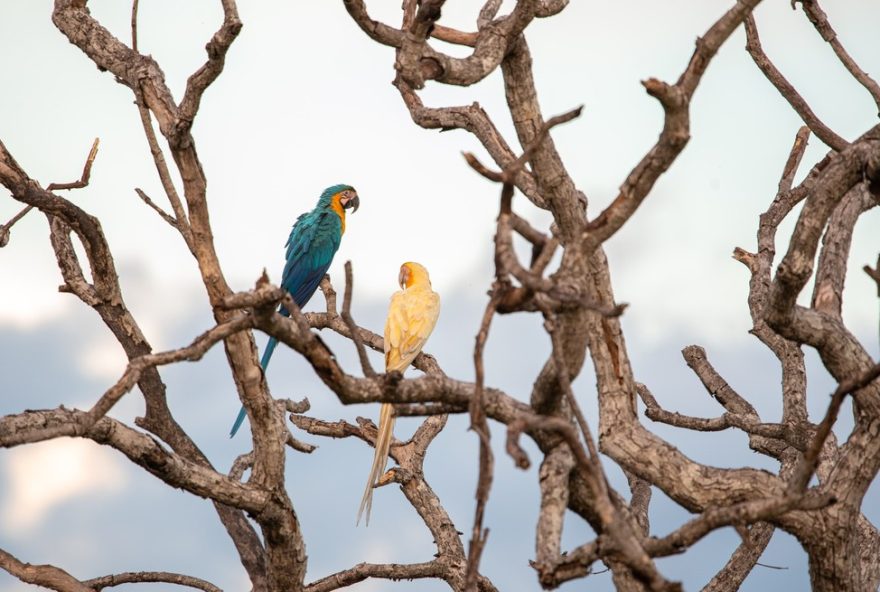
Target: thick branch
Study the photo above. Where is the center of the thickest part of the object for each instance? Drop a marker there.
(144, 451)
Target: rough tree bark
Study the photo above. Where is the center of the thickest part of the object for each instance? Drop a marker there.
(817, 493)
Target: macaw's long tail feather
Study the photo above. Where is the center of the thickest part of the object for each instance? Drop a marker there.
(238, 421)
(380, 459)
(267, 355)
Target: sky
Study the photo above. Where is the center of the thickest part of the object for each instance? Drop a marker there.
(306, 101)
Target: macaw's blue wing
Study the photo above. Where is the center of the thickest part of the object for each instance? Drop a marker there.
(310, 248)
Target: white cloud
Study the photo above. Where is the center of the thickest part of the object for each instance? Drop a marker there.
(35, 299)
(102, 359)
(39, 477)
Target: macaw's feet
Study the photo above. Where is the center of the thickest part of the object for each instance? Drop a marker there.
(392, 379)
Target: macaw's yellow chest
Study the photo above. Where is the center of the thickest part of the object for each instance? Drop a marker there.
(336, 205)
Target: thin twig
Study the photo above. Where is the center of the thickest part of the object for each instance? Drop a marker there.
(819, 19)
(479, 425)
(4, 230)
(512, 170)
(874, 274)
(745, 421)
(352, 326)
(785, 88)
(330, 429)
(87, 171)
(201, 79)
(134, 33)
(298, 445)
(798, 148)
(138, 365)
(81, 183)
(675, 100)
(162, 213)
(475, 164)
(180, 215)
(747, 512)
(780, 567)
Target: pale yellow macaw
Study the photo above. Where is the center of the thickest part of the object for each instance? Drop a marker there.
(412, 315)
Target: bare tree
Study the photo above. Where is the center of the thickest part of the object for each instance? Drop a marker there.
(817, 493)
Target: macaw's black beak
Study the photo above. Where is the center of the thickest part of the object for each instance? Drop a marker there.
(353, 204)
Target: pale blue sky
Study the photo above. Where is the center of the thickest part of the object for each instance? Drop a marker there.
(305, 102)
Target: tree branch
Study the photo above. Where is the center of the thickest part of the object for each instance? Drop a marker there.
(822, 131)
(152, 577)
(819, 19)
(47, 576)
(675, 100)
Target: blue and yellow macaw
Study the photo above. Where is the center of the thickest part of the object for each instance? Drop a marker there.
(310, 248)
(412, 315)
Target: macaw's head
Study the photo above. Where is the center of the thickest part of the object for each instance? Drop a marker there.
(340, 198)
(413, 274)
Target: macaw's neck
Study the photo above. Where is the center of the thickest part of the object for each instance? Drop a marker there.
(417, 278)
(336, 206)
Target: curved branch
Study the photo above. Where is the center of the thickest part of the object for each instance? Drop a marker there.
(216, 48)
(474, 119)
(785, 88)
(136, 366)
(819, 19)
(388, 571)
(151, 577)
(675, 100)
(421, 62)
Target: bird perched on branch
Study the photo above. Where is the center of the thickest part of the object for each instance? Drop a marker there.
(310, 248)
(412, 315)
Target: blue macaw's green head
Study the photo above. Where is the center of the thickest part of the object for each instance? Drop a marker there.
(340, 198)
